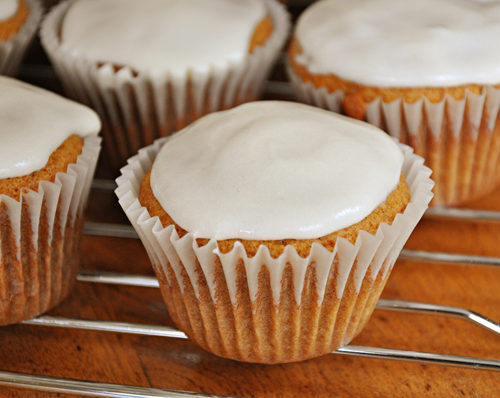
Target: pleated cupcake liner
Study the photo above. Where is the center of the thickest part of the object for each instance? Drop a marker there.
(459, 139)
(264, 309)
(13, 49)
(40, 237)
(137, 107)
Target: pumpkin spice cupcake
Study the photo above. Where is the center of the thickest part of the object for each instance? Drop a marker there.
(18, 23)
(273, 227)
(152, 67)
(425, 72)
(47, 162)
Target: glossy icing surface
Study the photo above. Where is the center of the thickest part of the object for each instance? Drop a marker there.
(8, 8)
(410, 43)
(162, 36)
(33, 123)
(274, 170)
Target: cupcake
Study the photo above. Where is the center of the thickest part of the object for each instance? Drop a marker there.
(18, 23)
(47, 161)
(425, 72)
(151, 67)
(272, 227)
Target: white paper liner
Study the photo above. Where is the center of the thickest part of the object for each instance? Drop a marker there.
(137, 108)
(12, 51)
(27, 255)
(460, 139)
(165, 247)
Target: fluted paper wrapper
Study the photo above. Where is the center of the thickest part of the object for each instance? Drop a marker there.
(39, 239)
(13, 49)
(265, 309)
(137, 108)
(459, 139)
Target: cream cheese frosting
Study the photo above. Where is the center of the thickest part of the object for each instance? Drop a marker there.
(395, 43)
(162, 36)
(33, 123)
(274, 170)
(8, 8)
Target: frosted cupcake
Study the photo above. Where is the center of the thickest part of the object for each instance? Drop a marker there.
(18, 23)
(47, 161)
(151, 67)
(425, 71)
(273, 227)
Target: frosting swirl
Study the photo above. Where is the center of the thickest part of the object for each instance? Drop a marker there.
(33, 123)
(394, 43)
(274, 170)
(160, 36)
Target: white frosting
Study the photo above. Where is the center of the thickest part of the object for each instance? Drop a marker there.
(157, 36)
(391, 43)
(33, 123)
(274, 170)
(8, 8)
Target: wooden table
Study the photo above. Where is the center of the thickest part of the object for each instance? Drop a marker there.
(178, 364)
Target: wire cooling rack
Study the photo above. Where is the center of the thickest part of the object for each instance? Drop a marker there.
(96, 389)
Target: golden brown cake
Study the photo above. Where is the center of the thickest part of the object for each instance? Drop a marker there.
(261, 34)
(58, 162)
(186, 59)
(394, 204)
(358, 96)
(405, 78)
(43, 189)
(249, 268)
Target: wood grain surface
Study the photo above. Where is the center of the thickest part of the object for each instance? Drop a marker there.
(180, 365)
